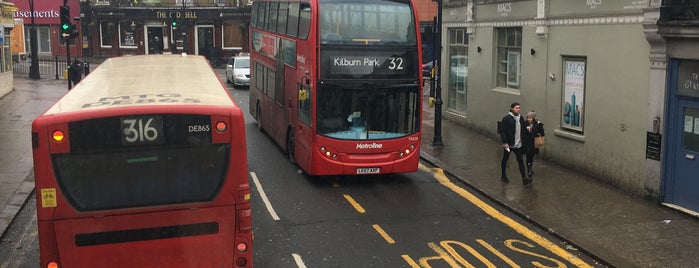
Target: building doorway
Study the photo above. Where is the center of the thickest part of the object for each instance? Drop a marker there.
(205, 43)
(681, 181)
(155, 44)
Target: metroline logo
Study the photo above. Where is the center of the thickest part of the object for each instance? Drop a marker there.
(372, 145)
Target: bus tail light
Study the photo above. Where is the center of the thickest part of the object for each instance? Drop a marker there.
(221, 134)
(221, 126)
(406, 150)
(59, 141)
(52, 264)
(241, 247)
(58, 135)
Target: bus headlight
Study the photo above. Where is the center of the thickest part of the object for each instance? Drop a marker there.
(328, 152)
(407, 150)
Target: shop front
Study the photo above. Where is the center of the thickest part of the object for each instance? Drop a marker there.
(216, 33)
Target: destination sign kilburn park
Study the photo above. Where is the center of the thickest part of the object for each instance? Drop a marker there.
(364, 64)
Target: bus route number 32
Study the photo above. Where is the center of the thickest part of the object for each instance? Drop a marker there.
(140, 130)
(396, 63)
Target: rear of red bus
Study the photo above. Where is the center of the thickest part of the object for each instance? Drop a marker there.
(149, 186)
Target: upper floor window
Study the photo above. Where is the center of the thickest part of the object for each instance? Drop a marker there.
(509, 49)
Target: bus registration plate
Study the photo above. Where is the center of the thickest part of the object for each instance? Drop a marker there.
(368, 170)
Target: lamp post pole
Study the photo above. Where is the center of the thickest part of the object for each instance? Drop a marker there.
(437, 140)
(34, 65)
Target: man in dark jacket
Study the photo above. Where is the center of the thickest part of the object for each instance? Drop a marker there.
(512, 133)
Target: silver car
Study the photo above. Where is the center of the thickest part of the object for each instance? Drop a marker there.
(238, 71)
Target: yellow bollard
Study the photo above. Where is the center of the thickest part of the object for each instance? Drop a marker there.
(65, 74)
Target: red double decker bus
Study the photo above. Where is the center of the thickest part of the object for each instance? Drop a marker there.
(143, 164)
(337, 83)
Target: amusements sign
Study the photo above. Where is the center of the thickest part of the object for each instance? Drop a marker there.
(573, 101)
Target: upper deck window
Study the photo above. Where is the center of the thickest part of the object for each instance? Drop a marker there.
(366, 22)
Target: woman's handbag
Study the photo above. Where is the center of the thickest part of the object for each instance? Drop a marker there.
(539, 142)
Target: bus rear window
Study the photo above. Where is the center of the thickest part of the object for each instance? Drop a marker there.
(141, 160)
(113, 180)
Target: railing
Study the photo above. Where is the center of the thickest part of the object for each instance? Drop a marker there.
(51, 68)
(679, 11)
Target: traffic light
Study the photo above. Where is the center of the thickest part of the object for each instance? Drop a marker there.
(74, 31)
(65, 27)
(174, 23)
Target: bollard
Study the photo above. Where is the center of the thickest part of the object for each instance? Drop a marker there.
(56, 67)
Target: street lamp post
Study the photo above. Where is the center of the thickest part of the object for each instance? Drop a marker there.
(437, 140)
(34, 65)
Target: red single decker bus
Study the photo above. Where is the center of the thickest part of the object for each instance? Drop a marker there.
(337, 83)
(143, 164)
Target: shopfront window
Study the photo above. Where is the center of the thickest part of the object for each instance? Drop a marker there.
(232, 36)
(106, 29)
(458, 69)
(690, 131)
(127, 34)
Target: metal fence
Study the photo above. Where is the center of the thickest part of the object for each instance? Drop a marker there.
(48, 67)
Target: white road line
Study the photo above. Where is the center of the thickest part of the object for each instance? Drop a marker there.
(264, 197)
(299, 261)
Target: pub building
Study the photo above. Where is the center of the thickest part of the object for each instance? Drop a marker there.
(216, 29)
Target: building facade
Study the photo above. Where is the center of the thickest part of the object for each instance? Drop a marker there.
(615, 83)
(216, 29)
(46, 21)
(7, 24)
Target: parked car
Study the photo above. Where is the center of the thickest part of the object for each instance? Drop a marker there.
(238, 71)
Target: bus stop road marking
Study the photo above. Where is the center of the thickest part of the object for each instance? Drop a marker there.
(553, 248)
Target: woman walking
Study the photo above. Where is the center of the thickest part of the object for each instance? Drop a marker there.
(535, 129)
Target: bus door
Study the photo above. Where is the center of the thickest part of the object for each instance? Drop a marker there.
(303, 131)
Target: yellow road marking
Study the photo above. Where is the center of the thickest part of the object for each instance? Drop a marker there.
(356, 205)
(555, 249)
(410, 261)
(383, 234)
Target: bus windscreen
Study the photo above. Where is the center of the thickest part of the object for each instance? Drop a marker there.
(366, 22)
(368, 113)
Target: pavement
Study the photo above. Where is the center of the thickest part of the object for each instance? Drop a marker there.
(617, 228)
